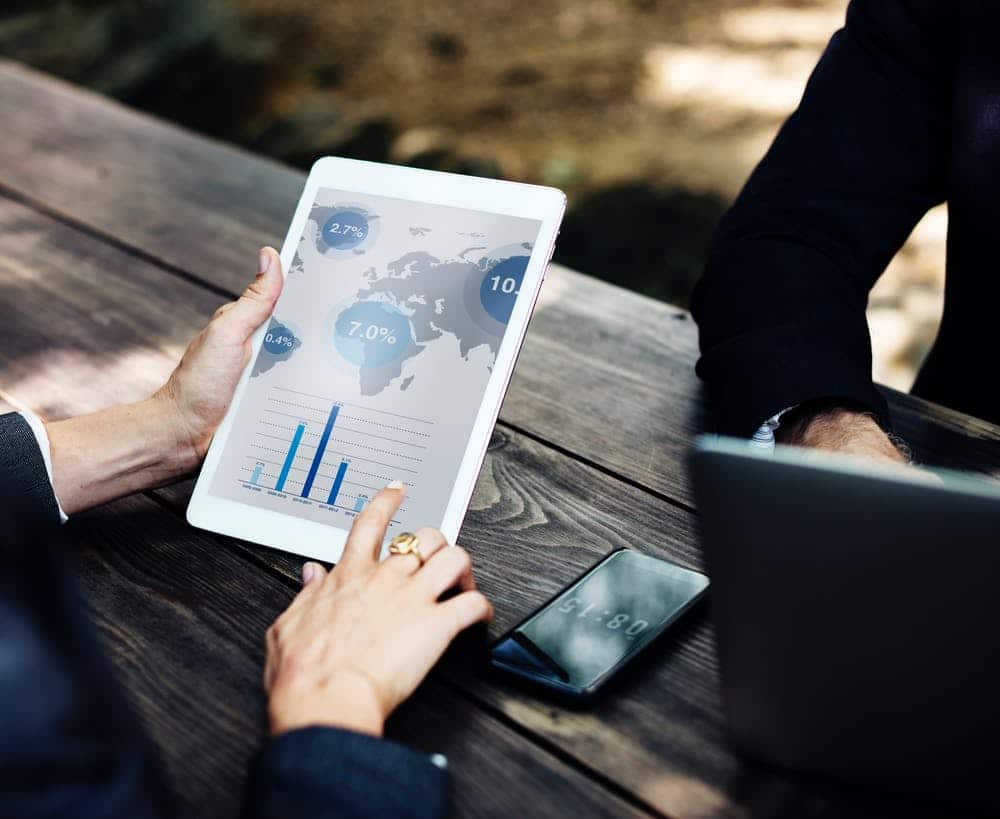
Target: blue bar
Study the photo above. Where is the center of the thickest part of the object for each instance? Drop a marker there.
(296, 439)
(256, 474)
(318, 457)
(359, 504)
(335, 489)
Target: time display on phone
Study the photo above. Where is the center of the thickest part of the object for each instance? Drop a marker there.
(586, 632)
(578, 607)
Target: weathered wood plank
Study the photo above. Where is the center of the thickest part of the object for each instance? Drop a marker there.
(184, 622)
(945, 438)
(537, 520)
(85, 324)
(605, 374)
(139, 179)
(538, 531)
(204, 208)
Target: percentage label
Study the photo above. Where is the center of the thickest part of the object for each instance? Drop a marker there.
(275, 340)
(345, 229)
(501, 286)
(373, 332)
(335, 229)
(279, 339)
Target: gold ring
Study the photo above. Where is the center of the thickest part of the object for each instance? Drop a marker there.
(406, 543)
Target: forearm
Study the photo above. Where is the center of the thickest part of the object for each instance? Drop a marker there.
(842, 429)
(114, 452)
(781, 306)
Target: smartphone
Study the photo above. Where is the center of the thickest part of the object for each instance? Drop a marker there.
(575, 643)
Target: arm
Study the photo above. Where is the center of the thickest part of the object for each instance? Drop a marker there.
(352, 646)
(844, 429)
(781, 306)
(323, 772)
(69, 743)
(128, 448)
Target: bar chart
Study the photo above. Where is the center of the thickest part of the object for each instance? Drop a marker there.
(314, 450)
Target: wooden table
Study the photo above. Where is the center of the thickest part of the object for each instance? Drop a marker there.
(119, 236)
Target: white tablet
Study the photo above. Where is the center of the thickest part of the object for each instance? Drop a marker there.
(407, 295)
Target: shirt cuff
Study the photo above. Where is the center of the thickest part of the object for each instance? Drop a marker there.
(763, 438)
(38, 429)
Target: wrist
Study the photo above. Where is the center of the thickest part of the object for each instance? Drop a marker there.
(347, 699)
(185, 445)
(116, 451)
(843, 429)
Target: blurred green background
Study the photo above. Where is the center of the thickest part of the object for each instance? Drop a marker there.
(648, 113)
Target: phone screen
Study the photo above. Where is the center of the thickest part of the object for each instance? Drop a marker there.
(600, 621)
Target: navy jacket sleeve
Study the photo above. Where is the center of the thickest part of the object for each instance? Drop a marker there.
(326, 773)
(781, 305)
(69, 742)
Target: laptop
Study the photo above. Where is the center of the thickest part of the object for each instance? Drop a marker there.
(858, 615)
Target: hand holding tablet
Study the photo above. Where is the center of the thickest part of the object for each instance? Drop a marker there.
(406, 300)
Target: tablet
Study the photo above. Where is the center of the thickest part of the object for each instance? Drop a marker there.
(406, 299)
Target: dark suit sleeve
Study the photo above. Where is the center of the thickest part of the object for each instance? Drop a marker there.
(70, 744)
(331, 774)
(781, 305)
(22, 466)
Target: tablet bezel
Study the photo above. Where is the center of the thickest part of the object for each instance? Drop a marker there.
(324, 542)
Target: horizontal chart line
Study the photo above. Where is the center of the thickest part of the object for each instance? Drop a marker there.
(381, 437)
(342, 429)
(375, 449)
(387, 426)
(371, 461)
(286, 440)
(302, 469)
(359, 406)
(348, 443)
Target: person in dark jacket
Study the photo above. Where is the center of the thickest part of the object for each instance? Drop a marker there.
(73, 748)
(900, 114)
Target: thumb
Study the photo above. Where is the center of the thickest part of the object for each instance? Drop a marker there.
(312, 573)
(255, 305)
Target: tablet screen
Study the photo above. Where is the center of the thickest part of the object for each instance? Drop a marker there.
(375, 363)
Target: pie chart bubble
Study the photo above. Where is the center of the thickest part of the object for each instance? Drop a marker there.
(372, 334)
(501, 285)
(346, 229)
(279, 339)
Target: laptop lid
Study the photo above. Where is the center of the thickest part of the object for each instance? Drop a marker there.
(857, 613)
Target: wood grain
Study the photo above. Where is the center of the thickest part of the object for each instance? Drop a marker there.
(184, 622)
(598, 375)
(138, 179)
(86, 325)
(945, 438)
(605, 374)
(594, 380)
(538, 518)
(529, 542)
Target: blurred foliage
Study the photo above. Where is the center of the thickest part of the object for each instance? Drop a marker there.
(215, 68)
(153, 54)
